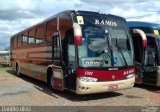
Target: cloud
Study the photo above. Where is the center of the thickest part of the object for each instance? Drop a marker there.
(105, 2)
(151, 18)
(4, 40)
(125, 8)
(16, 15)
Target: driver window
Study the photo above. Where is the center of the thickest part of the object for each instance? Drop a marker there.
(150, 57)
(150, 52)
(71, 52)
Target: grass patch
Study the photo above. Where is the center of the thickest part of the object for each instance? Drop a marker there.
(3, 70)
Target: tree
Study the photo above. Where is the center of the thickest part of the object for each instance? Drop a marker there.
(7, 48)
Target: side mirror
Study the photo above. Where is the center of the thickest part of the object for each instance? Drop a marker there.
(55, 34)
(143, 36)
(77, 34)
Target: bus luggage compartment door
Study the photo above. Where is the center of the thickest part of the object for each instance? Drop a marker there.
(58, 79)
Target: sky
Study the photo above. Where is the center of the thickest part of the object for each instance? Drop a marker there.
(17, 15)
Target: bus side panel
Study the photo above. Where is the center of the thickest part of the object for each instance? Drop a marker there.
(33, 61)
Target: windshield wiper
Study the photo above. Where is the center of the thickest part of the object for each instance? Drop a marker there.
(105, 55)
(120, 50)
(106, 52)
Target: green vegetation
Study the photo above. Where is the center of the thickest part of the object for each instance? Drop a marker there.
(4, 70)
(4, 58)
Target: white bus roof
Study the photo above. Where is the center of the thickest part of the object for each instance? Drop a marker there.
(4, 52)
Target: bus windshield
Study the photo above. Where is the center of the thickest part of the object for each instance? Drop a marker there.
(105, 43)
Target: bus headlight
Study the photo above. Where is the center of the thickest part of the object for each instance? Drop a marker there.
(130, 76)
(88, 79)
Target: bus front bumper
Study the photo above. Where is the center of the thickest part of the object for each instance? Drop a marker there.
(101, 87)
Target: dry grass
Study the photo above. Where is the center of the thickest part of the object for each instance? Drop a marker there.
(4, 70)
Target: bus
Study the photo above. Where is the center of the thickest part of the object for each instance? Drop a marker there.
(146, 41)
(147, 27)
(81, 51)
(5, 58)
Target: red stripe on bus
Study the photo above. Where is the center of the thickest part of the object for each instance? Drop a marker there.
(106, 74)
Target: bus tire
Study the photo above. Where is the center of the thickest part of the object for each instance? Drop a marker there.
(50, 82)
(18, 70)
(50, 78)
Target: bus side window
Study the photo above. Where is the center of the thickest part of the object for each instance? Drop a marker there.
(19, 40)
(50, 29)
(14, 41)
(31, 36)
(30, 40)
(25, 38)
(40, 33)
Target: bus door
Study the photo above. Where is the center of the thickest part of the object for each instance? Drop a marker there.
(58, 78)
(71, 80)
(139, 41)
(150, 66)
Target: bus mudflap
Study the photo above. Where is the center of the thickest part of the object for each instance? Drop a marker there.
(58, 79)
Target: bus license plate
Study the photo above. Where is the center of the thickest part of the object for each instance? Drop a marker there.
(112, 87)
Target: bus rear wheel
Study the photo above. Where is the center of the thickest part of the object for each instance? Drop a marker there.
(52, 82)
(50, 79)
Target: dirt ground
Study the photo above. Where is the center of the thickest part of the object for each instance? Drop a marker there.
(26, 91)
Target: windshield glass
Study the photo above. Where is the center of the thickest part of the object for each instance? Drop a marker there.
(150, 52)
(106, 43)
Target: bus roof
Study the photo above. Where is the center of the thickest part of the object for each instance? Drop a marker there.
(4, 52)
(67, 14)
(143, 24)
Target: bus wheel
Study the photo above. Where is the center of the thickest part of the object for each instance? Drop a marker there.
(18, 70)
(52, 82)
(50, 79)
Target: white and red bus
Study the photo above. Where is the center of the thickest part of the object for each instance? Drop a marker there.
(85, 52)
